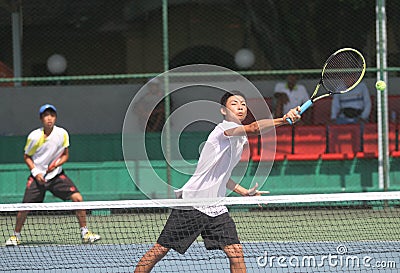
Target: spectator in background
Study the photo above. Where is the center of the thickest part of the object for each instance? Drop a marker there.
(351, 107)
(289, 95)
(151, 114)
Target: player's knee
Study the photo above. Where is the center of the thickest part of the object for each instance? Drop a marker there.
(76, 197)
(234, 251)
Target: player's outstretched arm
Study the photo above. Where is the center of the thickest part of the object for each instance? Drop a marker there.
(264, 125)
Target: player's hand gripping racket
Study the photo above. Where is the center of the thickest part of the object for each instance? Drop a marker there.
(343, 70)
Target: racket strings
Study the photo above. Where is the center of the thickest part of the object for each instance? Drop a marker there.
(343, 71)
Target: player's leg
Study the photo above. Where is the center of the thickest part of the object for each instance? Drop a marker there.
(21, 217)
(34, 193)
(151, 258)
(220, 233)
(87, 235)
(80, 214)
(179, 232)
(63, 187)
(15, 239)
(236, 258)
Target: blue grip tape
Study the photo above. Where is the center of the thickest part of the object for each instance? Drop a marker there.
(303, 108)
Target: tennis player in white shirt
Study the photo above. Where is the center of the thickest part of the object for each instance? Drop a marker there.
(219, 156)
(46, 150)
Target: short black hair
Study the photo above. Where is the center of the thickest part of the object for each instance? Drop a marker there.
(229, 94)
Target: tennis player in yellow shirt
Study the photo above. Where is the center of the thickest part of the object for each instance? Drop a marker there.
(46, 150)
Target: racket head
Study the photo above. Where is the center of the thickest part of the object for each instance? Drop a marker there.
(343, 71)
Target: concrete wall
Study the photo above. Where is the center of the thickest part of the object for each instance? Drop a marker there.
(81, 109)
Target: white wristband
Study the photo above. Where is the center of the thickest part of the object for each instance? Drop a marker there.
(35, 172)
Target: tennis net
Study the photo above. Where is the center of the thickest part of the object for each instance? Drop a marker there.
(347, 232)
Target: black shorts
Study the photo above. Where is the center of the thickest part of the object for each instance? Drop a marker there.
(184, 226)
(60, 186)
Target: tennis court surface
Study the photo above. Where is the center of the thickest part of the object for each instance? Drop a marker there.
(293, 233)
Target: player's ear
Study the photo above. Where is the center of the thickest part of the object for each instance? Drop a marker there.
(223, 110)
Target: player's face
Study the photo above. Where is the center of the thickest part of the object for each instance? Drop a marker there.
(48, 119)
(236, 109)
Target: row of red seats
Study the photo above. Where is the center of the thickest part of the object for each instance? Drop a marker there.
(320, 113)
(312, 142)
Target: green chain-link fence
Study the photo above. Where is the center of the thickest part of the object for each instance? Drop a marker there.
(126, 37)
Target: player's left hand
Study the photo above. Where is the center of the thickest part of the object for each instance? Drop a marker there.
(254, 192)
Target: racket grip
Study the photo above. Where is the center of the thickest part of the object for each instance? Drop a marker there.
(303, 108)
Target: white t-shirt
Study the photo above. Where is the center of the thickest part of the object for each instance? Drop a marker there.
(43, 150)
(297, 96)
(219, 156)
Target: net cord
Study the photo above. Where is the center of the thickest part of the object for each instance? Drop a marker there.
(155, 203)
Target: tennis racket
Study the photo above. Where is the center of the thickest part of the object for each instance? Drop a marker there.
(342, 71)
(53, 164)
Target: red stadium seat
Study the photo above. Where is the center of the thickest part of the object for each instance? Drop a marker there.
(270, 103)
(283, 145)
(321, 111)
(394, 140)
(343, 141)
(309, 142)
(393, 137)
(246, 154)
(394, 116)
(395, 154)
(250, 149)
(370, 141)
(394, 108)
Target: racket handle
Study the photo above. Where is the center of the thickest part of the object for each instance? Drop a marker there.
(303, 108)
